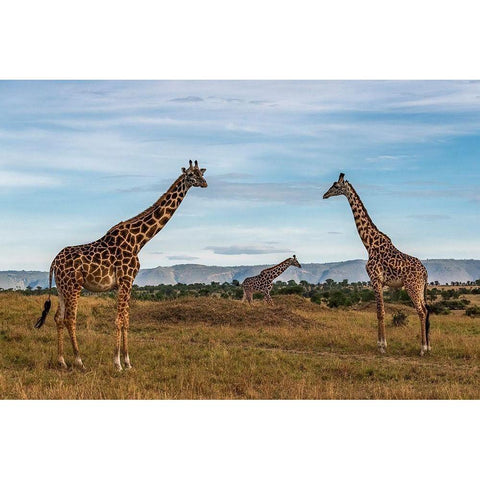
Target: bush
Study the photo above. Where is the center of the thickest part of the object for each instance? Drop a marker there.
(456, 304)
(473, 311)
(290, 290)
(338, 299)
(316, 298)
(399, 319)
(443, 307)
(367, 295)
(438, 308)
(398, 295)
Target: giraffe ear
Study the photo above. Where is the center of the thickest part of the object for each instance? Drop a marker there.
(184, 169)
(340, 178)
(203, 170)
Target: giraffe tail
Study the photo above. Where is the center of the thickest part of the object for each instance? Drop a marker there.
(427, 319)
(427, 323)
(47, 305)
(46, 309)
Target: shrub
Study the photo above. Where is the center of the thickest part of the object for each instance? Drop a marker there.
(316, 298)
(443, 307)
(367, 295)
(338, 299)
(398, 295)
(473, 311)
(438, 308)
(399, 319)
(290, 290)
(456, 304)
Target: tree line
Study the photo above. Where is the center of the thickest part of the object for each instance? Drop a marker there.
(330, 293)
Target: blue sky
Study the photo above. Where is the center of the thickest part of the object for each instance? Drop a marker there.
(78, 157)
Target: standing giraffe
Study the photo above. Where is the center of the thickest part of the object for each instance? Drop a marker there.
(263, 282)
(112, 263)
(387, 265)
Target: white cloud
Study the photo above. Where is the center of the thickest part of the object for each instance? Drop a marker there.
(245, 250)
(12, 179)
(187, 258)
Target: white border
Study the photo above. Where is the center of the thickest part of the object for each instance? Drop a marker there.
(252, 39)
(247, 40)
(239, 439)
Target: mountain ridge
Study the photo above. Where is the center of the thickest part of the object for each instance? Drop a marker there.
(441, 270)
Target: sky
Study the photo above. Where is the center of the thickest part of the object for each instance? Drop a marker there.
(78, 157)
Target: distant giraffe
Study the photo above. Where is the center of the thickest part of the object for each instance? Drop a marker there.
(112, 263)
(387, 265)
(263, 282)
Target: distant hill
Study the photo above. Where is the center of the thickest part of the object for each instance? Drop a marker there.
(443, 271)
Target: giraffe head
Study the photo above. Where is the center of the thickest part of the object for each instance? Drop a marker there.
(194, 175)
(338, 188)
(294, 262)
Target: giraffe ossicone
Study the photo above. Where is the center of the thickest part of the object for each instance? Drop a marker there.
(110, 263)
(263, 282)
(386, 265)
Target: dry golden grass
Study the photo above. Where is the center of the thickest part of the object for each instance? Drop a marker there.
(214, 348)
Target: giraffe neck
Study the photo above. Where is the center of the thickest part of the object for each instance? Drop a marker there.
(277, 270)
(367, 230)
(148, 223)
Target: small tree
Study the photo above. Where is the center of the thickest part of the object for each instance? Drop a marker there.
(473, 311)
(399, 319)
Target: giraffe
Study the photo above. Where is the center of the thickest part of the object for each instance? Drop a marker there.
(263, 282)
(111, 263)
(386, 265)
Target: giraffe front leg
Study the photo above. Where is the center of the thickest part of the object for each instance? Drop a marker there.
(382, 341)
(248, 296)
(121, 325)
(422, 315)
(126, 358)
(267, 298)
(118, 337)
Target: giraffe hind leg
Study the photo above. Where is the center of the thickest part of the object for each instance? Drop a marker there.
(71, 304)
(416, 296)
(60, 323)
(427, 328)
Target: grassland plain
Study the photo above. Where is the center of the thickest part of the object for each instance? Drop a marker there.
(213, 348)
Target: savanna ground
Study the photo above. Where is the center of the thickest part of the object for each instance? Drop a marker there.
(214, 348)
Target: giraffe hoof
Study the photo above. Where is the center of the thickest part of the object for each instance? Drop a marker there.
(79, 364)
(118, 367)
(382, 346)
(61, 363)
